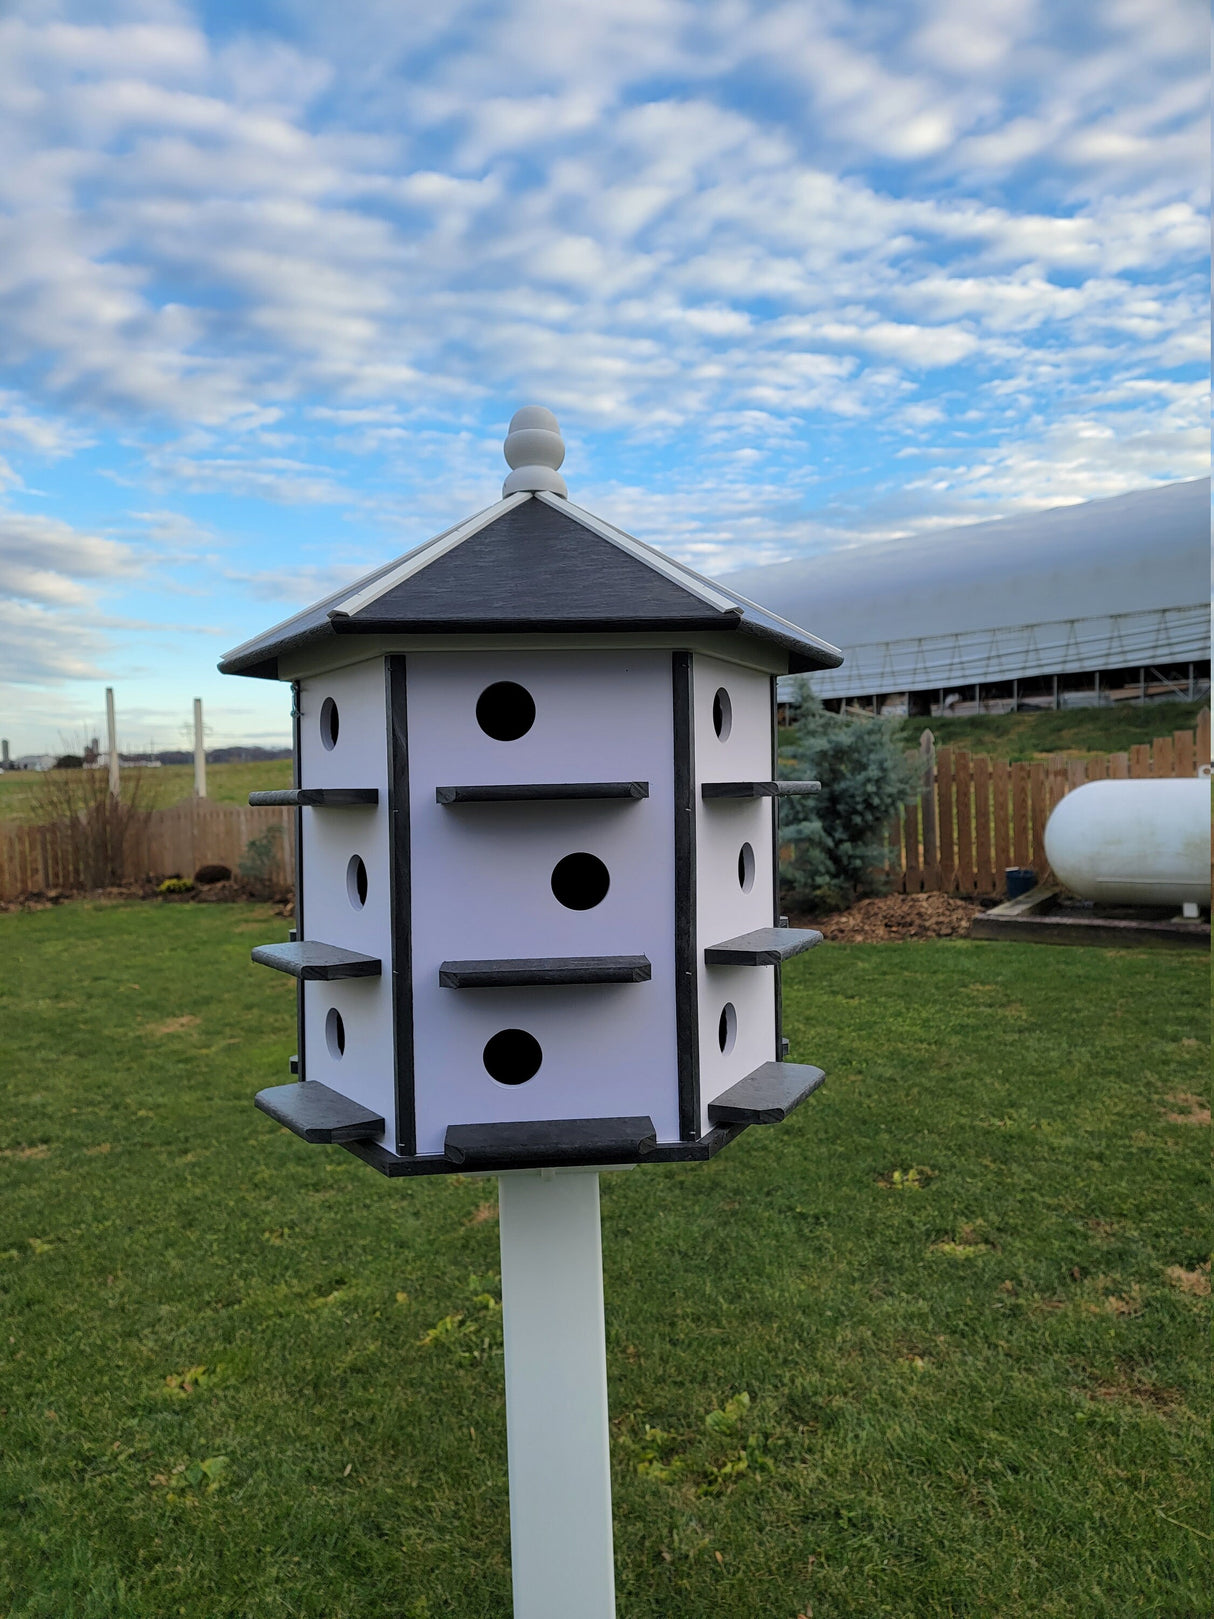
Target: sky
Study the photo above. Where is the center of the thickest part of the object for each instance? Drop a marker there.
(793, 274)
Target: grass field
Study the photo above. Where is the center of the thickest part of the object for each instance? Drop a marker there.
(22, 791)
(244, 1378)
(1069, 730)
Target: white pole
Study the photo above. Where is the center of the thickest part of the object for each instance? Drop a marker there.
(556, 1395)
(111, 727)
(200, 753)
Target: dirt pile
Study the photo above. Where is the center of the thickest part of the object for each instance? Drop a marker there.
(892, 917)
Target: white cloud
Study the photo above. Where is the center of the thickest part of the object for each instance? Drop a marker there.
(44, 560)
(36, 651)
(275, 478)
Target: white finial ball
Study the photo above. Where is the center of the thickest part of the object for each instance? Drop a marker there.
(534, 450)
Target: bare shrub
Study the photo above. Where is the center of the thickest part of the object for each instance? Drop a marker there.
(100, 831)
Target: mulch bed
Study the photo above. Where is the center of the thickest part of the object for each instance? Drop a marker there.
(886, 919)
(236, 890)
(892, 917)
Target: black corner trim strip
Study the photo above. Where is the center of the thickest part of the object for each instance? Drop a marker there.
(768, 1095)
(319, 1114)
(686, 966)
(301, 1068)
(548, 1143)
(309, 959)
(778, 987)
(525, 972)
(551, 792)
(759, 789)
(765, 947)
(396, 691)
(320, 797)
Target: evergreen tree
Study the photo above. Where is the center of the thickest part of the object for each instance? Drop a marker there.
(836, 836)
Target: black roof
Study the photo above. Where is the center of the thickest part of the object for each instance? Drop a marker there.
(533, 562)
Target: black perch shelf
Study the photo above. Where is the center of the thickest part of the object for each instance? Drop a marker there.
(316, 797)
(767, 1096)
(308, 958)
(765, 947)
(319, 1114)
(523, 972)
(759, 789)
(540, 792)
(549, 1142)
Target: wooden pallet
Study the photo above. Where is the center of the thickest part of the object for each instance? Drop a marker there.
(1042, 916)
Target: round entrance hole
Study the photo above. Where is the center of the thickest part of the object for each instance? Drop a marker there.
(356, 882)
(746, 868)
(727, 1028)
(722, 714)
(512, 1057)
(580, 881)
(335, 1034)
(329, 722)
(505, 711)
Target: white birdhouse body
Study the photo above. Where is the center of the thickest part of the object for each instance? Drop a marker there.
(356, 1055)
(735, 872)
(536, 857)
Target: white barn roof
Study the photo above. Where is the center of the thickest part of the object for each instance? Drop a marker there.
(1105, 585)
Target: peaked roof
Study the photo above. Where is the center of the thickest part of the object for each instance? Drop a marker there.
(532, 562)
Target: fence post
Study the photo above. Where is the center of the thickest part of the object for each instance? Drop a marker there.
(984, 875)
(1184, 746)
(912, 880)
(1039, 812)
(1020, 813)
(1203, 737)
(1001, 784)
(962, 777)
(931, 840)
(200, 752)
(111, 731)
(944, 813)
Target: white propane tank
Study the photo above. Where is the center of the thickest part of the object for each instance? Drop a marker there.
(1134, 842)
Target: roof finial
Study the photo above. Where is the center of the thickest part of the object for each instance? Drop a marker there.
(534, 450)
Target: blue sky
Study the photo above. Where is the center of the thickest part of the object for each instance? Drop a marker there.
(273, 278)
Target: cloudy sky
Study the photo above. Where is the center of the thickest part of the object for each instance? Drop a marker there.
(274, 274)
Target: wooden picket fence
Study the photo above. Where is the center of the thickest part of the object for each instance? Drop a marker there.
(976, 816)
(197, 832)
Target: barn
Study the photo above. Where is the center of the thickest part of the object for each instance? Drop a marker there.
(1104, 602)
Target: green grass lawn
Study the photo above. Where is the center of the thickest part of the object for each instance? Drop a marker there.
(22, 791)
(1069, 730)
(245, 1377)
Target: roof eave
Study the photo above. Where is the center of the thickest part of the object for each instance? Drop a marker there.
(262, 662)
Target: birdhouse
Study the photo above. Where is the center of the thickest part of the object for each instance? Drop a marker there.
(536, 914)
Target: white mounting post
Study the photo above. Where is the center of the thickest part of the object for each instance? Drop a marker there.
(556, 1395)
(111, 728)
(200, 753)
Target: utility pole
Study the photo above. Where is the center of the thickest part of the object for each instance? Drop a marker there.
(112, 738)
(200, 753)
